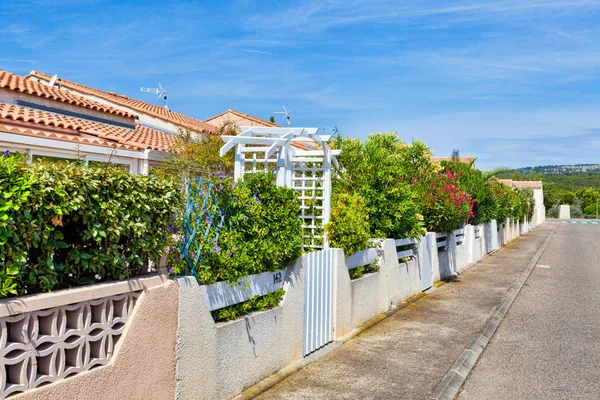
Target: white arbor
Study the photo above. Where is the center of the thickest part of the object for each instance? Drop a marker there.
(301, 159)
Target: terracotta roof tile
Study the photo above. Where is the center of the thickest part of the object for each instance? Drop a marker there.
(465, 160)
(17, 83)
(522, 184)
(527, 184)
(36, 123)
(137, 105)
(246, 116)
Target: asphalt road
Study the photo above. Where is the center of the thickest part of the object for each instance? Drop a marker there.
(548, 345)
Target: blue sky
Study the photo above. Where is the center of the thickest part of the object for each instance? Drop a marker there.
(512, 82)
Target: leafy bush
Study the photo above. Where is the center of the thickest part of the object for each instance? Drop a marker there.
(376, 171)
(348, 227)
(190, 157)
(445, 206)
(65, 224)
(256, 303)
(244, 229)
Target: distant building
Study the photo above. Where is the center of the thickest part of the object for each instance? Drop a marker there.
(465, 160)
(539, 211)
(238, 118)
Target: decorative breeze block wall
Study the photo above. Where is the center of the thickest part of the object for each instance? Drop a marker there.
(49, 345)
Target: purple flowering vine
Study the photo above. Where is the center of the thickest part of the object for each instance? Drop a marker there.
(216, 249)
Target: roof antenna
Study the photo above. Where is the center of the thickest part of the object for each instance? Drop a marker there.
(53, 80)
(160, 91)
(286, 115)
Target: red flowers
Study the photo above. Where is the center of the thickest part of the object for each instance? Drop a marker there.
(445, 202)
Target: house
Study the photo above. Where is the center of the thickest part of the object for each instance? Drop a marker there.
(539, 211)
(149, 115)
(45, 121)
(464, 160)
(239, 119)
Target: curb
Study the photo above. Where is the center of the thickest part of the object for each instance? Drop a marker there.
(455, 378)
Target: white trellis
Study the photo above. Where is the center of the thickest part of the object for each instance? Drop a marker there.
(301, 160)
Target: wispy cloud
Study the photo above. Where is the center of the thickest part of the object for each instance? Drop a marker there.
(259, 52)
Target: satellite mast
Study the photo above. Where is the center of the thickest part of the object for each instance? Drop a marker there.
(160, 92)
(53, 80)
(286, 115)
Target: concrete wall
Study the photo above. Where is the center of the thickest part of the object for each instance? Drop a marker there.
(359, 300)
(173, 343)
(143, 363)
(218, 360)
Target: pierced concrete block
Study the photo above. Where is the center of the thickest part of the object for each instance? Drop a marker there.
(49, 345)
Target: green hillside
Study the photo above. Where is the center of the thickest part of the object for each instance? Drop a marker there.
(579, 189)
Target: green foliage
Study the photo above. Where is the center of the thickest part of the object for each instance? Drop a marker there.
(65, 224)
(567, 197)
(261, 232)
(376, 171)
(348, 227)
(191, 157)
(358, 272)
(574, 181)
(445, 206)
(256, 303)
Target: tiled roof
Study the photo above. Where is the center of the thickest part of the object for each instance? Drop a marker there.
(137, 105)
(36, 123)
(522, 184)
(17, 83)
(465, 160)
(31, 130)
(245, 116)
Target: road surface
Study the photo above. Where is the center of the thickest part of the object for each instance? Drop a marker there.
(548, 345)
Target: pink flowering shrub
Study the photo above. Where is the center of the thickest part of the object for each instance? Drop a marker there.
(445, 206)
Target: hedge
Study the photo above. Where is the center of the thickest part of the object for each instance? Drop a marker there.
(243, 229)
(406, 194)
(67, 224)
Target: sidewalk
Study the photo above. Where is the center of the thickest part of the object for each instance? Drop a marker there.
(406, 355)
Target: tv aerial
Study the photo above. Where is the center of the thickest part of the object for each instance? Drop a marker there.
(160, 92)
(286, 115)
(53, 80)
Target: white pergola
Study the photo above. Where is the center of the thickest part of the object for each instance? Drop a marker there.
(301, 159)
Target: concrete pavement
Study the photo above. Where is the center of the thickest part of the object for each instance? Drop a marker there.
(548, 346)
(406, 356)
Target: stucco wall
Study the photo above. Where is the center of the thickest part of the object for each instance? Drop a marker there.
(218, 360)
(143, 366)
(359, 300)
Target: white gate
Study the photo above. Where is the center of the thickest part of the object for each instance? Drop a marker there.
(318, 300)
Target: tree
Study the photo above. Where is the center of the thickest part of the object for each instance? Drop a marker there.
(588, 197)
(272, 119)
(193, 157)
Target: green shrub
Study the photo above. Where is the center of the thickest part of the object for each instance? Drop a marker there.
(376, 171)
(348, 227)
(256, 303)
(445, 206)
(245, 228)
(65, 224)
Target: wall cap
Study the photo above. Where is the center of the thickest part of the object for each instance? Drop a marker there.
(41, 301)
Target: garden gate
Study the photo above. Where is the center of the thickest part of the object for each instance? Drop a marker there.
(300, 159)
(318, 300)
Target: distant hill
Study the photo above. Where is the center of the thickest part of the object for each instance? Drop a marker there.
(560, 169)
